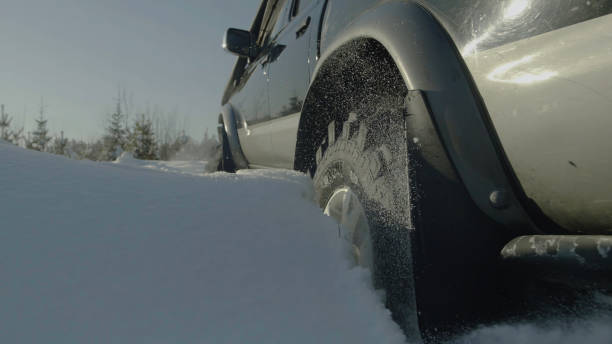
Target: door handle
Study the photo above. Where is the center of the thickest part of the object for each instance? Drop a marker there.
(303, 28)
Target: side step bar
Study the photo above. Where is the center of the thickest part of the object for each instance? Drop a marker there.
(578, 261)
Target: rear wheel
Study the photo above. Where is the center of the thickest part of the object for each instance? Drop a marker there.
(427, 245)
(345, 206)
(226, 162)
(361, 180)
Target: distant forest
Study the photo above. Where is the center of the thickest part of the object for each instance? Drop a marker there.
(147, 136)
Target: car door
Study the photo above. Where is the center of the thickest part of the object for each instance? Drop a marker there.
(289, 78)
(252, 103)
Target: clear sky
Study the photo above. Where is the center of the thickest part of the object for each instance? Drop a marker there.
(76, 54)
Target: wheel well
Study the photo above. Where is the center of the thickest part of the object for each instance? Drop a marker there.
(355, 75)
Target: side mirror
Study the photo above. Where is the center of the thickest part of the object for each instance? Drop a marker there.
(239, 42)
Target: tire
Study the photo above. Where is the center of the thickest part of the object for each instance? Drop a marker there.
(435, 277)
(374, 168)
(226, 162)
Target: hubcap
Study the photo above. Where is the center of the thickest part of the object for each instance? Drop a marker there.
(345, 207)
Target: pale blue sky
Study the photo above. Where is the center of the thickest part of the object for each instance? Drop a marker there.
(77, 53)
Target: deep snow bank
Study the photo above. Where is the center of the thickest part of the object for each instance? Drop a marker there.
(159, 252)
(101, 252)
(192, 167)
(592, 331)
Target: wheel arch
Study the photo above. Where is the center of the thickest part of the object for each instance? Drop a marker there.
(427, 60)
(341, 81)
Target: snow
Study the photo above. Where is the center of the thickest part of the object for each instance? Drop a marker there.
(192, 167)
(104, 252)
(160, 252)
(591, 331)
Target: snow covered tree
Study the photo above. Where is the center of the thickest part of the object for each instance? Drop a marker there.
(77, 149)
(115, 140)
(190, 149)
(60, 145)
(6, 133)
(95, 150)
(16, 136)
(40, 137)
(27, 141)
(145, 146)
(5, 125)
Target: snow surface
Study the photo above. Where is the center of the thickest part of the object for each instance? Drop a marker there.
(102, 252)
(159, 252)
(192, 167)
(592, 331)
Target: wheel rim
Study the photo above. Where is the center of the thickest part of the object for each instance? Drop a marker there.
(345, 207)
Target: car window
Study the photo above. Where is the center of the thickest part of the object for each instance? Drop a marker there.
(282, 18)
(273, 13)
(298, 6)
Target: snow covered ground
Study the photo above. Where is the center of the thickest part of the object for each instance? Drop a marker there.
(160, 252)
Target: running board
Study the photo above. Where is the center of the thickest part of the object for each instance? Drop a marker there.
(578, 261)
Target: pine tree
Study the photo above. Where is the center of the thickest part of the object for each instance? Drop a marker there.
(5, 125)
(115, 141)
(16, 136)
(28, 141)
(77, 149)
(6, 133)
(145, 146)
(40, 137)
(60, 144)
(95, 150)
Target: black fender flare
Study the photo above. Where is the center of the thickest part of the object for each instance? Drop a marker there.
(428, 61)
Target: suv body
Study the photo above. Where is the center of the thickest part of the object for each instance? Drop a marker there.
(509, 98)
(540, 68)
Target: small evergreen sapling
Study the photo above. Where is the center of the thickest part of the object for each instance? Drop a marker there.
(5, 125)
(40, 137)
(6, 133)
(145, 146)
(115, 140)
(60, 145)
